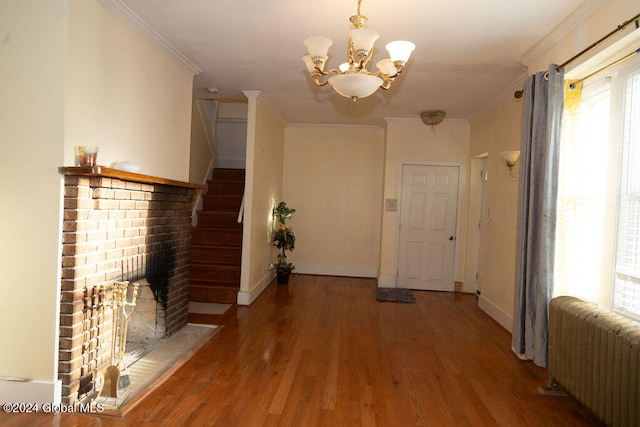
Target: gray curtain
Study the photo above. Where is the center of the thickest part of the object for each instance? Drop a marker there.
(539, 150)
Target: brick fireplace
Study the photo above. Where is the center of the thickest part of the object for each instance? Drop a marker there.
(119, 226)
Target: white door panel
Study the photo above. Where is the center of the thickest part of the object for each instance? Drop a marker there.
(428, 214)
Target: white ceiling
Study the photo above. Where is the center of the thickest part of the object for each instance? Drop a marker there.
(468, 52)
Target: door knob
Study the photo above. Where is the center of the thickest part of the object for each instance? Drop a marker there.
(451, 237)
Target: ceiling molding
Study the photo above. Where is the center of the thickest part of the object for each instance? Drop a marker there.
(419, 120)
(257, 94)
(251, 93)
(329, 125)
(579, 16)
(401, 119)
(507, 92)
(142, 27)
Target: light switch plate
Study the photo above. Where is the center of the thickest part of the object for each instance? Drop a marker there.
(391, 205)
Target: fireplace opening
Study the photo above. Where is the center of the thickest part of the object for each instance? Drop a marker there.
(149, 274)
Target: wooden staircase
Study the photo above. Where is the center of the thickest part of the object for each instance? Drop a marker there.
(216, 240)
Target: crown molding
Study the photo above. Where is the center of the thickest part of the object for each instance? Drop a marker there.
(257, 94)
(251, 93)
(579, 16)
(334, 125)
(507, 92)
(130, 17)
(402, 119)
(419, 120)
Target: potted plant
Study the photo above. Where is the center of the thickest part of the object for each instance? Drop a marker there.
(284, 240)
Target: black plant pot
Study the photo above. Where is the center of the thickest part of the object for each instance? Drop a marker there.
(283, 277)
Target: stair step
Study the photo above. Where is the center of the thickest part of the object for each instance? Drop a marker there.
(224, 236)
(228, 174)
(218, 219)
(222, 202)
(202, 273)
(219, 255)
(216, 242)
(219, 294)
(225, 187)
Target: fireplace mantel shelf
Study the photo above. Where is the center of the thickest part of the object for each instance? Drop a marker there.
(125, 176)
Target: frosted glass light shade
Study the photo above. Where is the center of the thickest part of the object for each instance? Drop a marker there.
(400, 50)
(363, 38)
(510, 156)
(318, 46)
(387, 67)
(343, 67)
(353, 85)
(311, 67)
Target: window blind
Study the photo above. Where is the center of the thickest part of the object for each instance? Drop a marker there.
(626, 295)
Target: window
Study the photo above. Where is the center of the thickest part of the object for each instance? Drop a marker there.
(627, 271)
(598, 221)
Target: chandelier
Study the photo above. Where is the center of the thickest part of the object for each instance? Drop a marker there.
(351, 79)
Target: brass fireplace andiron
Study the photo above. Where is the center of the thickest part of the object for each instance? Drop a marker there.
(116, 376)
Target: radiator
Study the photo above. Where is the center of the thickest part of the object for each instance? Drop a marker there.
(594, 356)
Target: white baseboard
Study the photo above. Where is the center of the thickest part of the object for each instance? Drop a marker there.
(387, 282)
(470, 288)
(31, 392)
(504, 319)
(247, 297)
(336, 271)
(520, 356)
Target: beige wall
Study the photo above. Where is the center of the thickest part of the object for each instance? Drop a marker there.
(125, 95)
(606, 19)
(410, 141)
(73, 73)
(495, 130)
(498, 129)
(333, 178)
(33, 59)
(263, 190)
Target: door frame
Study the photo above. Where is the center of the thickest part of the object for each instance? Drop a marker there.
(476, 223)
(456, 246)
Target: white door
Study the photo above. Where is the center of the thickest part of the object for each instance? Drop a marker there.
(428, 214)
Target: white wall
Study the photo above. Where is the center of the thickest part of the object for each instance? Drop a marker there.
(498, 129)
(203, 153)
(333, 178)
(495, 130)
(33, 62)
(409, 140)
(263, 190)
(231, 134)
(73, 73)
(125, 95)
(561, 46)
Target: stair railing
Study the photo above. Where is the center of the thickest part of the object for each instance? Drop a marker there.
(241, 213)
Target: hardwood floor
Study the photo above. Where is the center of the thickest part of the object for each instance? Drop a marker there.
(323, 352)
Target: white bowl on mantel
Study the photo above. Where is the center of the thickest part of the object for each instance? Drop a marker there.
(126, 166)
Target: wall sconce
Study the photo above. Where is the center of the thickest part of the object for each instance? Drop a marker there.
(510, 159)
